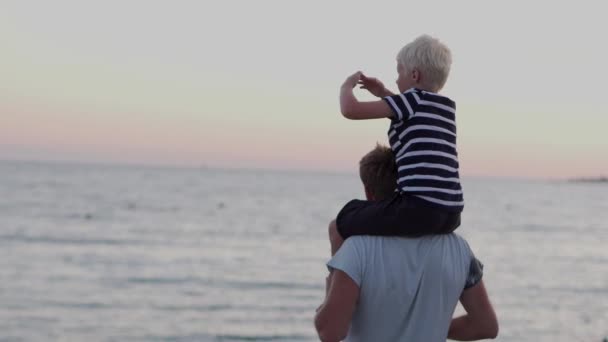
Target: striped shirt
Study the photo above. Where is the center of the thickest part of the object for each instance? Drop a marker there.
(422, 136)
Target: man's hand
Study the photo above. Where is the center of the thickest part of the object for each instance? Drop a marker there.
(374, 86)
(352, 80)
(480, 321)
(333, 317)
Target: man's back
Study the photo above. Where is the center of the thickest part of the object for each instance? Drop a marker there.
(409, 287)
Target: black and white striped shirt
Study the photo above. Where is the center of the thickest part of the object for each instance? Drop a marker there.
(422, 136)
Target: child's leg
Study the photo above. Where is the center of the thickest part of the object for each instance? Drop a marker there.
(360, 217)
(335, 240)
(401, 215)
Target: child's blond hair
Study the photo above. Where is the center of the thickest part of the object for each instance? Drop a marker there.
(431, 57)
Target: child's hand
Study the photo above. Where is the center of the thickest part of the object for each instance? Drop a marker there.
(352, 80)
(373, 85)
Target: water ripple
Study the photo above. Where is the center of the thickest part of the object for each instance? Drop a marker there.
(262, 338)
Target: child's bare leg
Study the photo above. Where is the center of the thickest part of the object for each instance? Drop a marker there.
(335, 239)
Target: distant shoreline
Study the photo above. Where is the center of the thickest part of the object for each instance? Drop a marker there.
(600, 179)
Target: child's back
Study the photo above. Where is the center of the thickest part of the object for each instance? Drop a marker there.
(423, 137)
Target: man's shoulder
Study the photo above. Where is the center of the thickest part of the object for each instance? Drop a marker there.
(359, 242)
(455, 240)
(362, 241)
(366, 244)
(369, 239)
(457, 236)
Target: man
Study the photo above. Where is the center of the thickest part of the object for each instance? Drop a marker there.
(401, 289)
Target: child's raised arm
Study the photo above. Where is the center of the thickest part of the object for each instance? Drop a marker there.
(352, 109)
(374, 86)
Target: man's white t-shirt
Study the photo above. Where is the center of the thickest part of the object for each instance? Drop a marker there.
(409, 287)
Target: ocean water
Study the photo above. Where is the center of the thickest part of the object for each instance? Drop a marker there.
(125, 253)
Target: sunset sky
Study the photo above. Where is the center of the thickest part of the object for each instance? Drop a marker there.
(255, 83)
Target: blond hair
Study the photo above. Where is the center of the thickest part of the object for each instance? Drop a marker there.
(431, 57)
(378, 172)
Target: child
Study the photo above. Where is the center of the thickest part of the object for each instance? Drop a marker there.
(422, 134)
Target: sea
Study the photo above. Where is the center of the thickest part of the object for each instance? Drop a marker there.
(94, 252)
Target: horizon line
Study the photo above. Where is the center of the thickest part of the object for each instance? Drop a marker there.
(206, 166)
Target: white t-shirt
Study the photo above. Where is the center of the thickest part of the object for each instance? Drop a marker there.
(409, 287)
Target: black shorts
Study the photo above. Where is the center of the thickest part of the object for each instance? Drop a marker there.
(400, 215)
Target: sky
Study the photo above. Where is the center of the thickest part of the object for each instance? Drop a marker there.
(254, 84)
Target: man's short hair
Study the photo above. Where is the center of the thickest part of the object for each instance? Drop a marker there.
(378, 172)
(430, 56)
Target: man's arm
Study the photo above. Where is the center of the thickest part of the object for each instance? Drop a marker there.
(352, 109)
(480, 320)
(334, 315)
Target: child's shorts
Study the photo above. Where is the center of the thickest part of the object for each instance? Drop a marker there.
(400, 215)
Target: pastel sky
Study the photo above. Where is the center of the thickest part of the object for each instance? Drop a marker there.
(255, 83)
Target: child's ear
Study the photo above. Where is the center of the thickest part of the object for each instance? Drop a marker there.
(416, 75)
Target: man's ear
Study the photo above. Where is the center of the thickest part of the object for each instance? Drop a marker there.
(369, 194)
